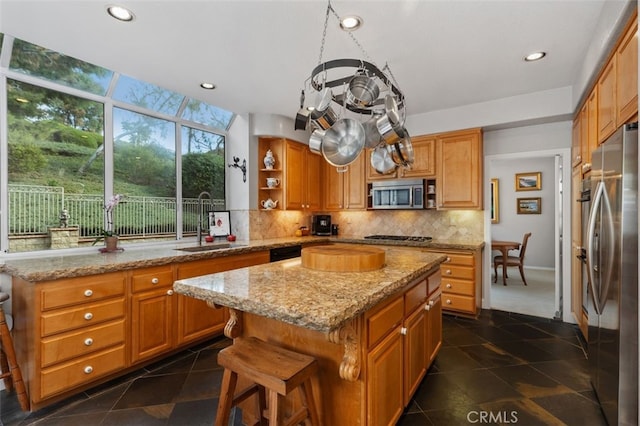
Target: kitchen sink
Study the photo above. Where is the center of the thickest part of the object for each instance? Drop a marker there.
(209, 247)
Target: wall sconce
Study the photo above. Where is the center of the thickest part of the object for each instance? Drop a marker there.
(235, 164)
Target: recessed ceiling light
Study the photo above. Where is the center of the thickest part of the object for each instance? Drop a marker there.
(351, 23)
(208, 86)
(535, 56)
(120, 13)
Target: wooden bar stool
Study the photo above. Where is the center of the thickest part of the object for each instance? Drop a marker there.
(9, 369)
(271, 368)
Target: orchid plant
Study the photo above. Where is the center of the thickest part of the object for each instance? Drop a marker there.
(108, 208)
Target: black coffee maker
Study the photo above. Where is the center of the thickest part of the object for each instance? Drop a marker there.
(321, 224)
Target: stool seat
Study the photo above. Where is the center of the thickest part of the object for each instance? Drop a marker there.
(279, 371)
(9, 369)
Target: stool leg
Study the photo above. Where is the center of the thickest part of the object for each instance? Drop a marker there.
(225, 402)
(275, 408)
(307, 399)
(262, 405)
(16, 375)
(6, 372)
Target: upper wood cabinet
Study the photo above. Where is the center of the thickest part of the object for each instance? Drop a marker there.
(424, 164)
(459, 159)
(627, 75)
(576, 148)
(345, 190)
(607, 102)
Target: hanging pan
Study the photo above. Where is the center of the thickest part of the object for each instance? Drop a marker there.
(381, 160)
(323, 115)
(343, 142)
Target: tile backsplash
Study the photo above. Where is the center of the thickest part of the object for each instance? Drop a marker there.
(454, 225)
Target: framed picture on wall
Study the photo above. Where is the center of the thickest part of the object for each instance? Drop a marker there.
(219, 224)
(529, 205)
(495, 205)
(531, 181)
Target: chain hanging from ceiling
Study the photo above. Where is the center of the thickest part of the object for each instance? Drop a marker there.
(371, 111)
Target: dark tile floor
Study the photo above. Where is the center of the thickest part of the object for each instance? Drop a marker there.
(499, 369)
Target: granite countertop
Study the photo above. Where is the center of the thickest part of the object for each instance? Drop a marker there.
(317, 300)
(57, 264)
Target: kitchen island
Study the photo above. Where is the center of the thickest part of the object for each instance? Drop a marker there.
(374, 333)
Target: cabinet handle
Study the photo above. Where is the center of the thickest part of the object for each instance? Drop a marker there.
(427, 307)
(154, 280)
(449, 285)
(88, 369)
(448, 272)
(88, 293)
(88, 316)
(448, 259)
(88, 341)
(431, 303)
(448, 301)
(169, 292)
(403, 331)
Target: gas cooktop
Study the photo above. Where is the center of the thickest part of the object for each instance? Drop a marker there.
(398, 238)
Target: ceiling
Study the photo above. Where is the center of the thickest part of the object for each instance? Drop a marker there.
(443, 54)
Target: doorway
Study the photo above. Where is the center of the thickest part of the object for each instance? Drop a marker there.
(546, 269)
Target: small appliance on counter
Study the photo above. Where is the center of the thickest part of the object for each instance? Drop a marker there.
(321, 224)
(334, 229)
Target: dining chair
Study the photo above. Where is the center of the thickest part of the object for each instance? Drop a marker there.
(513, 260)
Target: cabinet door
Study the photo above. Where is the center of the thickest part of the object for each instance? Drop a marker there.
(372, 174)
(333, 187)
(592, 127)
(385, 386)
(152, 320)
(607, 102)
(627, 78)
(434, 326)
(313, 186)
(415, 351)
(424, 165)
(576, 149)
(294, 182)
(460, 170)
(584, 134)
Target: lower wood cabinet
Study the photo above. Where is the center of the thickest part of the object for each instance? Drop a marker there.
(403, 337)
(75, 333)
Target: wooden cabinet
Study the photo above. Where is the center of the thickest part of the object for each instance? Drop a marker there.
(424, 164)
(345, 190)
(626, 59)
(302, 178)
(74, 333)
(576, 140)
(403, 337)
(606, 87)
(275, 193)
(461, 281)
(459, 160)
(152, 312)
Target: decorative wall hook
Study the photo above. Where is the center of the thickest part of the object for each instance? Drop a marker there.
(235, 164)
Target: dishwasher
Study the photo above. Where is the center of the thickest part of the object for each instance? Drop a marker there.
(282, 253)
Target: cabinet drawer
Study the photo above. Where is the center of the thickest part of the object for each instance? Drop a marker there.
(384, 320)
(82, 342)
(63, 377)
(81, 290)
(88, 314)
(457, 302)
(451, 285)
(434, 281)
(147, 279)
(454, 271)
(458, 259)
(415, 297)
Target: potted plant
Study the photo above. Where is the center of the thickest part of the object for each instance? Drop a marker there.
(110, 238)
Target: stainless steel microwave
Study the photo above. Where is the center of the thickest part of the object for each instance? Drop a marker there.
(398, 194)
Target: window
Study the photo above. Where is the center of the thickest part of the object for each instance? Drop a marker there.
(206, 114)
(147, 95)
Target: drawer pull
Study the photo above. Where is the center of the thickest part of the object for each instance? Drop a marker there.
(403, 331)
(448, 272)
(448, 301)
(169, 292)
(88, 369)
(449, 285)
(88, 341)
(88, 316)
(427, 307)
(88, 293)
(448, 259)
(154, 280)
(431, 302)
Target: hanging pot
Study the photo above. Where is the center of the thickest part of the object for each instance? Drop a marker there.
(388, 125)
(343, 142)
(372, 134)
(381, 160)
(362, 91)
(315, 141)
(405, 148)
(394, 153)
(323, 115)
(302, 119)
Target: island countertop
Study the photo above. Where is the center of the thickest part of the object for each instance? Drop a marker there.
(316, 300)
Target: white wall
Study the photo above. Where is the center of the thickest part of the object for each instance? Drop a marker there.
(512, 226)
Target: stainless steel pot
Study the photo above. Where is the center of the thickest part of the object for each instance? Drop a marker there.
(372, 134)
(362, 91)
(389, 124)
(323, 116)
(343, 142)
(406, 149)
(315, 141)
(302, 119)
(381, 160)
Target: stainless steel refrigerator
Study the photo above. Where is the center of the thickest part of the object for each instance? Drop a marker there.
(612, 270)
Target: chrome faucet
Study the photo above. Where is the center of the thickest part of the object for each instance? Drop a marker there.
(200, 205)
